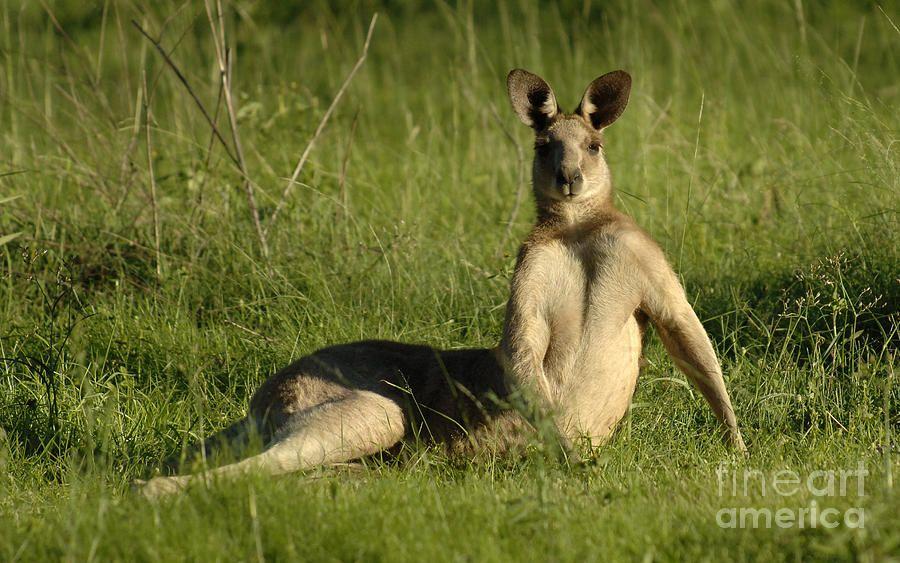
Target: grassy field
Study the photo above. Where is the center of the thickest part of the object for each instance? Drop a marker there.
(139, 308)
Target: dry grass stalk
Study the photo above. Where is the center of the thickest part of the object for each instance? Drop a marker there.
(309, 146)
(223, 58)
(148, 117)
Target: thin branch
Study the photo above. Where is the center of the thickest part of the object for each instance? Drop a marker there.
(890, 21)
(225, 61)
(126, 166)
(322, 123)
(190, 90)
(153, 201)
(212, 137)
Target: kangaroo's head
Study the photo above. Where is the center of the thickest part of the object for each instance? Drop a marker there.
(569, 166)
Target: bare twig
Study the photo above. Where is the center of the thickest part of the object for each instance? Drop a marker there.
(890, 21)
(520, 181)
(224, 59)
(190, 90)
(126, 166)
(153, 202)
(322, 123)
(212, 137)
(125, 177)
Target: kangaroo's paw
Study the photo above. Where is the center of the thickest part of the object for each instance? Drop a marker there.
(158, 487)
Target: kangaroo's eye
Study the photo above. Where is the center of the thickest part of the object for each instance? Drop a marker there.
(543, 150)
(594, 148)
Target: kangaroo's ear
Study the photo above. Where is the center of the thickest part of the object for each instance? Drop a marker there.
(605, 99)
(531, 98)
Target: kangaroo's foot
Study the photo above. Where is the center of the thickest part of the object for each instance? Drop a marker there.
(360, 424)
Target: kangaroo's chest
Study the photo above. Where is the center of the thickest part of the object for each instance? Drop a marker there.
(584, 296)
(594, 344)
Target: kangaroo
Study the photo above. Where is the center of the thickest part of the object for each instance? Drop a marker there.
(586, 282)
(587, 278)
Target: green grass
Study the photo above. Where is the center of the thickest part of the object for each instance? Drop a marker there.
(760, 147)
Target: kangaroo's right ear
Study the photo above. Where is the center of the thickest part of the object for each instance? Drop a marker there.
(605, 99)
(531, 98)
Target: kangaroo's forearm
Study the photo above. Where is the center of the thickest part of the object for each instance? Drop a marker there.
(693, 353)
(525, 367)
(525, 341)
(533, 397)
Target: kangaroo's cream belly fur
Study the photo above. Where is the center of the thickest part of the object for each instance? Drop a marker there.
(594, 344)
(597, 392)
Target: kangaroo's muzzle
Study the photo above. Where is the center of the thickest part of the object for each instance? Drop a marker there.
(570, 184)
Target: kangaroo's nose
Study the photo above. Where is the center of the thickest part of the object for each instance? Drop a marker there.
(564, 177)
(570, 182)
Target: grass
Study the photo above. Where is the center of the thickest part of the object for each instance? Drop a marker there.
(759, 148)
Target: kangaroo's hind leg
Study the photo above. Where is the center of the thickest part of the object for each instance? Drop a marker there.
(358, 424)
(232, 440)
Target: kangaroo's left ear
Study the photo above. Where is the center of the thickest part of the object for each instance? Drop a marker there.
(605, 99)
(531, 98)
